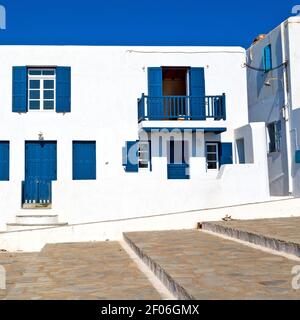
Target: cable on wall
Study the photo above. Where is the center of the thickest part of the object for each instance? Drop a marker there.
(284, 64)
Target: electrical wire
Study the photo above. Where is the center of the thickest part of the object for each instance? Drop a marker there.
(284, 64)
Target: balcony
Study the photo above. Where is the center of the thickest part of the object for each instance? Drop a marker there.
(181, 108)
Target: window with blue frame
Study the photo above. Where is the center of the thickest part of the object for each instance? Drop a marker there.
(268, 58)
(84, 160)
(41, 88)
(4, 160)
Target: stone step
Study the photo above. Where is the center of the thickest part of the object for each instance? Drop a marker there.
(280, 234)
(37, 219)
(20, 227)
(170, 283)
(37, 206)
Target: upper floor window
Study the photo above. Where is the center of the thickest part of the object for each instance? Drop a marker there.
(268, 58)
(41, 89)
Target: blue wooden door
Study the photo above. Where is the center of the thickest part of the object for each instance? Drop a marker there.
(178, 160)
(40, 170)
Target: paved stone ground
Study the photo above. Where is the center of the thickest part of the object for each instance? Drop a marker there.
(286, 229)
(209, 267)
(95, 270)
(14, 264)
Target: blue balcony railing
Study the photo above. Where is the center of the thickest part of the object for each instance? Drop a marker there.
(181, 108)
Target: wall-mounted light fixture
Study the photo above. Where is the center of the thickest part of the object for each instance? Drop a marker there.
(41, 136)
(268, 82)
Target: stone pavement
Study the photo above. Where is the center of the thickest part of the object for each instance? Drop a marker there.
(14, 264)
(209, 267)
(286, 229)
(95, 270)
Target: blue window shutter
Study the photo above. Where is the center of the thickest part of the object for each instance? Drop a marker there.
(132, 161)
(19, 99)
(84, 160)
(268, 58)
(4, 160)
(155, 82)
(226, 153)
(197, 93)
(63, 89)
(297, 156)
(155, 89)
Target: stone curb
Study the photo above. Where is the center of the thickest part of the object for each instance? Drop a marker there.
(176, 289)
(255, 238)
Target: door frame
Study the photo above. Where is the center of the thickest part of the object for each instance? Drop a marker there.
(37, 190)
(217, 144)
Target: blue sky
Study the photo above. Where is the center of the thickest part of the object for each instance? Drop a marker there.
(141, 22)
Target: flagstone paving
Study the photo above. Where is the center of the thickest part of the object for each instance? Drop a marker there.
(286, 229)
(209, 267)
(14, 265)
(95, 270)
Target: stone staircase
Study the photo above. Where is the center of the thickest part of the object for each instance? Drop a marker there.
(208, 263)
(194, 265)
(34, 221)
(279, 234)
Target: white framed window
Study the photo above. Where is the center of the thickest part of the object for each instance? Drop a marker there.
(41, 89)
(212, 156)
(144, 155)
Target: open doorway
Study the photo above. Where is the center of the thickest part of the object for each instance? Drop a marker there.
(175, 91)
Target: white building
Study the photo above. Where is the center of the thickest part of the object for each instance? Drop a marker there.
(274, 98)
(72, 116)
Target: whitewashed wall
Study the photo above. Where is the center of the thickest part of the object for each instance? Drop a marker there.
(106, 82)
(266, 102)
(293, 50)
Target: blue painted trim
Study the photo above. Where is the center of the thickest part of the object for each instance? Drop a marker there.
(178, 171)
(131, 156)
(4, 160)
(297, 156)
(268, 58)
(84, 160)
(150, 155)
(19, 90)
(159, 107)
(215, 130)
(63, 89)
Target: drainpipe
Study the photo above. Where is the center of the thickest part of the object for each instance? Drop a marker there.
(287, 112)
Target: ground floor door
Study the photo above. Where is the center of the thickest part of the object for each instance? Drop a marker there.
(178, 160)
(40, 171)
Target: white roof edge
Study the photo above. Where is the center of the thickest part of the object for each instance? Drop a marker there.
(141, 48)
